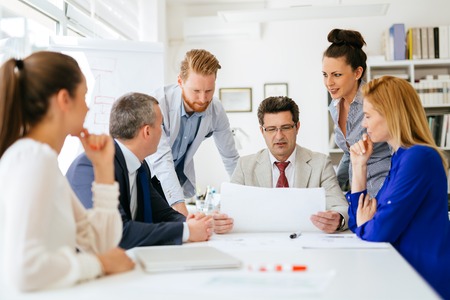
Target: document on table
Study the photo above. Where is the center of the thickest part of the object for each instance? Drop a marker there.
(274, 285)
(256, 209)
(337, 241)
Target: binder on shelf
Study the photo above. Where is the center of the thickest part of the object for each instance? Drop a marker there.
(397, 38)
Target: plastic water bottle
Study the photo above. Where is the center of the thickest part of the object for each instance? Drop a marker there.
(208, 207)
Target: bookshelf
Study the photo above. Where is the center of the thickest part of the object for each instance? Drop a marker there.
(411, 70)
(431, 79)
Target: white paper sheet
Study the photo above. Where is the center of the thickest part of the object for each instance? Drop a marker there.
(256, 209)
(274, 285)
(337, 241)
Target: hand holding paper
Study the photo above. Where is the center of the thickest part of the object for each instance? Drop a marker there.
(256, 209)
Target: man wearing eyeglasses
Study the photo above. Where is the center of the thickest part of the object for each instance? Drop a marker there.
(286, 164)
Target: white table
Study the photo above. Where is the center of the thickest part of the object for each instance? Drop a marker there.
(350, 273)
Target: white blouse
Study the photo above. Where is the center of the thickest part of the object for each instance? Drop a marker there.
(44, 223)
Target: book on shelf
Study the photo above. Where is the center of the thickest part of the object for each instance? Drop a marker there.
(424, 42)
(436, 42)
(439, 127)
(434, 92)
(447, 134)
(414, 43)
(443, 42)
(394, 74)
(444, 132)
(430, 42)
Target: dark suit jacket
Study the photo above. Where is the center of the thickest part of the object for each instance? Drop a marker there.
(167, 228)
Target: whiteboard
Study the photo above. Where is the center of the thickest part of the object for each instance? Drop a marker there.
(112, 68)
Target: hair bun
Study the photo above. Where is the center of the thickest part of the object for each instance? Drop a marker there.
(346, 37)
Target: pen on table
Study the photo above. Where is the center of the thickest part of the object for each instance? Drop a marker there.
(277, 267)
(295, 235)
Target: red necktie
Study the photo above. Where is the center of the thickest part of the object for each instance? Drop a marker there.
(282, 180)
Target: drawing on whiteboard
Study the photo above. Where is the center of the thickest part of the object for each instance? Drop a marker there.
(112, 68)
(103, 94)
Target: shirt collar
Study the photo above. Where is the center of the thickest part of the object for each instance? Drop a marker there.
(133, 163)
(291, 158)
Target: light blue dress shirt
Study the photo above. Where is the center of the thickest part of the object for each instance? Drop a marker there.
(380, 161)
(189, 125)
(213, 123)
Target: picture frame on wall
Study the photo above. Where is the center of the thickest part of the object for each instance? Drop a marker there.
(236, 99)
(275, 89)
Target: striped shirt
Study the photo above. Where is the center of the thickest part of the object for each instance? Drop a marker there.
(380, 161)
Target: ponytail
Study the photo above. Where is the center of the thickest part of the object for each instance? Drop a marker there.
(12, 125)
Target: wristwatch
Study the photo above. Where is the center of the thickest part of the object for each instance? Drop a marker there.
(342, 223)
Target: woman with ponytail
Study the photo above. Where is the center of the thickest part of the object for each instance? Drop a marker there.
(48, 238)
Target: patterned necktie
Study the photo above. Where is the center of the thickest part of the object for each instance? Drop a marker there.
(282, 180)
(145, 193)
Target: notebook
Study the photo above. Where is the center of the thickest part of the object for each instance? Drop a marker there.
(182, 258)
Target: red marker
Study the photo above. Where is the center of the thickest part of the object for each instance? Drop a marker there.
(277, 268)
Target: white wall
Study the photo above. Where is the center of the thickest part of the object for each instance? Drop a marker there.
(291, 52)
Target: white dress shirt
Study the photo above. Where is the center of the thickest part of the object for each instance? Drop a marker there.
(133, 164)
(44, 223)
(289, 171)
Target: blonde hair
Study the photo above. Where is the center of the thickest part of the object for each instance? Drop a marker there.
(199, 61)
(398, 102)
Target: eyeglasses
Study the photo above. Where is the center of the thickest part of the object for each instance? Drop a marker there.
(284, 128)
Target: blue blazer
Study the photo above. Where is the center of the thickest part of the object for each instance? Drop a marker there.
(167, 226)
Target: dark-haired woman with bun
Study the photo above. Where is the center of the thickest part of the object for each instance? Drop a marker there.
(343, 68)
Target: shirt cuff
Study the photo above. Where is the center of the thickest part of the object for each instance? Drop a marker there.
(185, 232)
(176, 202)
(90, 266)
(105, 195)
(353, 199)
